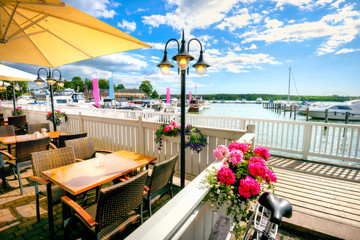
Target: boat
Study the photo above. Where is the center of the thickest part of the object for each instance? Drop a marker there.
(196, 105)
(338, 111)
(243, 100)
(259, 100)
(69, 97)
(40, 93)
(237, 101)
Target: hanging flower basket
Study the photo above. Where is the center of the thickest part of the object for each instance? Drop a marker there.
(193, 137)
(18, 111)
(58, 117)
(241, 179)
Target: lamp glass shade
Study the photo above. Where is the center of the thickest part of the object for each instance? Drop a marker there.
(183, 62)
(200, 69)
(50, 81)
(39, 83)
(165, 69)
(17, 87)
(60, 83)
(3, 86)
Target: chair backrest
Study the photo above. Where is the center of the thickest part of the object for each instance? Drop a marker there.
(37, 127)
(116, 201)
(1, 115)
(45, 160)
(162, 174)
(6, 131)
(84, 148)
(17, 121)
(2, 121)
(63, 138)
(25, 148)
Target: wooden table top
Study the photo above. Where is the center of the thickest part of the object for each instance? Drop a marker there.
(27, 137)
(79, 177)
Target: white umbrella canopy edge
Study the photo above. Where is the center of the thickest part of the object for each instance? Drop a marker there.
(12, 74)
(47, 35)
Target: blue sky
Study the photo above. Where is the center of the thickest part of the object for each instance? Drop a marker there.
(250, 44)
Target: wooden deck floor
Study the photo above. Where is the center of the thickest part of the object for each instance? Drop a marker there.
(325, 198)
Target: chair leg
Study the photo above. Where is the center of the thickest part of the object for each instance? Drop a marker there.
(13, 172)
(37, 203)
(149, 205)
(141, 214)
(19, 178)
(3, 177)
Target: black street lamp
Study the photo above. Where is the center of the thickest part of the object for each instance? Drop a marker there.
(183, 59)
(50, 80)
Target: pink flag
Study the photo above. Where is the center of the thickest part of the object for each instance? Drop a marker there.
(96, 90)
(189, 96)
(167, 95)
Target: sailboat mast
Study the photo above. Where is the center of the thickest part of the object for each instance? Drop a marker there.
(289, 84)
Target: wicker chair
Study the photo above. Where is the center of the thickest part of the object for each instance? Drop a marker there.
(114, 210)
(1, 115)
(36, 127)
(160, 181)
(23, 158)
(6, 131)
(63, 138)
(84, 148)
(19, 123)
(2, 121)
(42, 161)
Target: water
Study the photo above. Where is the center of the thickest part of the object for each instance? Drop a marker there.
(254, 111)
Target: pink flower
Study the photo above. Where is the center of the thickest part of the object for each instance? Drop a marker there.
(173, 123)
(178, 126)
(221, 152)
(226, 176)
(258, 169)
(270, 177)
(262, 152)
(249, 186)
(235, 156)
(168, 128)
(238, 146)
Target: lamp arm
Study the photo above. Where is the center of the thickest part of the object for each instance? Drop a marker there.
(172, 39)
(42, 69)
(58, 72)
(201, 48)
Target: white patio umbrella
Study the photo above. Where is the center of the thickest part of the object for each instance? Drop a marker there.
(12, 74)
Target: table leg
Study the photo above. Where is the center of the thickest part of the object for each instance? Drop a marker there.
(9, 148)
(2, 171)
(50, 211)
(66, 215)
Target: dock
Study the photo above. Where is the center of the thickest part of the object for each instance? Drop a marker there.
(325, 197)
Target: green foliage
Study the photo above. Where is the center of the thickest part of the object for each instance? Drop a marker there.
(103, 84)
(78, 84)
(120, 86)
(88, 84)
(146, 87)
(154, 95)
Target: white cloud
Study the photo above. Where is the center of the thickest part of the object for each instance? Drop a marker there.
(241, 20)
(189, 14)
(273, 23)
(128, 26)
(96, 8)
(347, 50)
(339, 28)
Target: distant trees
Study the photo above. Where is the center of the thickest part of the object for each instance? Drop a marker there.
(146, 87)
(120, 86)
(154, 95)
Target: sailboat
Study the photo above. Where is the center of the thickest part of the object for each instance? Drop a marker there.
(288, 104)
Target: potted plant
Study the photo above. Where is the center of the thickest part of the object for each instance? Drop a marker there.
(18, 111)
(241, 179)
(193, 139)
(58, 116)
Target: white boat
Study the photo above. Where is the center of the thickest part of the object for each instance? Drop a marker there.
(69, 97)
(196, 105)
(237, 101)
(243, 101)
(338, 111)
(259, 100)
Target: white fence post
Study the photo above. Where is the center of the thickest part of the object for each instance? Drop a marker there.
(141, 136)
(306, 141)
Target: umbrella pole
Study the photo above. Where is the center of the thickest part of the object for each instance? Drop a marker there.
(52, 107)
(13, 89)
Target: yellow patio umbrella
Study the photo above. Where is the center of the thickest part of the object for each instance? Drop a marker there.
(51, 33)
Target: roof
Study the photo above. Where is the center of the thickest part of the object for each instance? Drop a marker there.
(129, 90)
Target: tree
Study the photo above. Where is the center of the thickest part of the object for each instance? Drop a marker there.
(146, 87)
(103, 84)
(154, 95)
(88, 84)
(78, 83)
(120, 86)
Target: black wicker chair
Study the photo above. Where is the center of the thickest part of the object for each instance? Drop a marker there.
(45, 160)
(114, 210)
(2, 121)
(22, 158)
(84, 148)
(19, 123)
(160, 181)
(36, 127)
(63, 138)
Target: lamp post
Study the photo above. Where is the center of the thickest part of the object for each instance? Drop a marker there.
(183, 59)
(50, 80)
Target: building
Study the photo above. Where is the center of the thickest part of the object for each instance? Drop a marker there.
(121, 93)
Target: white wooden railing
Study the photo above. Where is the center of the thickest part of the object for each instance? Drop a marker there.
(185, 216)
(307, 140)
